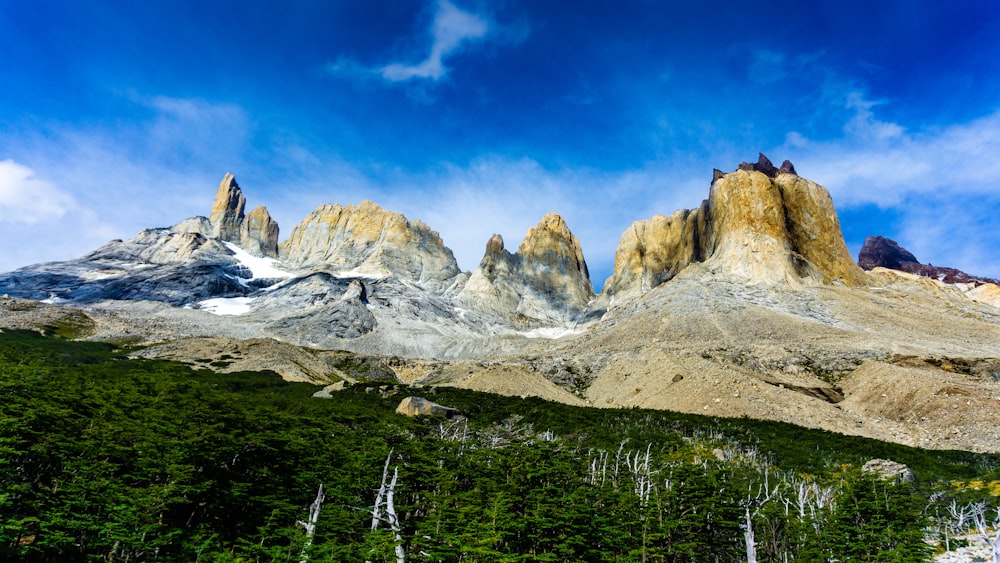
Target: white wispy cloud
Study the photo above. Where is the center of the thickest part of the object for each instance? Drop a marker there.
(450, 30)
(67, 189)
(27, 199)
(942, 182)
(41, 221)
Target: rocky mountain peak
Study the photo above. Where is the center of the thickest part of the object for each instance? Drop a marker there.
(369, 240)
(763, 165)
(547, 278)
(551, 245)
(227, 210)
(759, 224)
(881, 252)
(494, 246)
(257, 232)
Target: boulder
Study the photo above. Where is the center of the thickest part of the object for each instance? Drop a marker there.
(888, 469)
(419, 406)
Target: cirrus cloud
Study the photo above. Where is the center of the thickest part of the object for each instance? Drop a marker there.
(450, 29)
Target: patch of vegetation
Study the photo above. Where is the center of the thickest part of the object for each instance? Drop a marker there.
(108, 458)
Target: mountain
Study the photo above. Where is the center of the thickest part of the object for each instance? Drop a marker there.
(369, 241)
(880, 252)
(759, 224)
(546, 278)
(749, 305)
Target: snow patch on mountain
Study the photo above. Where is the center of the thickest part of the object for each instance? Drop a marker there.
(261, 268)
(227, 306)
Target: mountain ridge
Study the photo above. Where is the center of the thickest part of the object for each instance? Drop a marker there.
(748, 305)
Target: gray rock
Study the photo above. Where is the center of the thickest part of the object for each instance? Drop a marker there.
(888, 469)
(547, 279)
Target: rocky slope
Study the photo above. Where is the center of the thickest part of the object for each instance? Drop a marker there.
(746, 306)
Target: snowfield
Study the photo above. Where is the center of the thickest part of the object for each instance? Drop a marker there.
(229, 306)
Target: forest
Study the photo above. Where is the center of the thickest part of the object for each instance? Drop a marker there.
(108, 458)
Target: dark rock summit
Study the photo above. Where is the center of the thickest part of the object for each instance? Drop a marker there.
(764, 166)
(881, 252)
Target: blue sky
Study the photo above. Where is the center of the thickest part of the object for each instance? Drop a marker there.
(481, 116)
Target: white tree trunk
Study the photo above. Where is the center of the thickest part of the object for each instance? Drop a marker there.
(386, 497)
(748, 538)
(390, 510)
(310, 524)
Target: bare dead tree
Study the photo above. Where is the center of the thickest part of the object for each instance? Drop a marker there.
(753, 505)
(310, 524)
(989, 531)
(385, 500)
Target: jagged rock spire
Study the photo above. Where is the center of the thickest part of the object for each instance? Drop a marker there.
(257, 233)
(227, 210)
(547, 278)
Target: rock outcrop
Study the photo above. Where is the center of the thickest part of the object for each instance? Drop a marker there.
(256, 232)
(889, 470)
(259, 233)
(760, 224)
(881, 252)
(419, 406)
(547, 278)
(367, 240)
(227, 210)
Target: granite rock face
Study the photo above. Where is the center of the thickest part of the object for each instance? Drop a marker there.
(655, 250)
(256, 232)
(368, 240)
(760, 224)
(259, 233)
(547, 278)
(227, 210)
